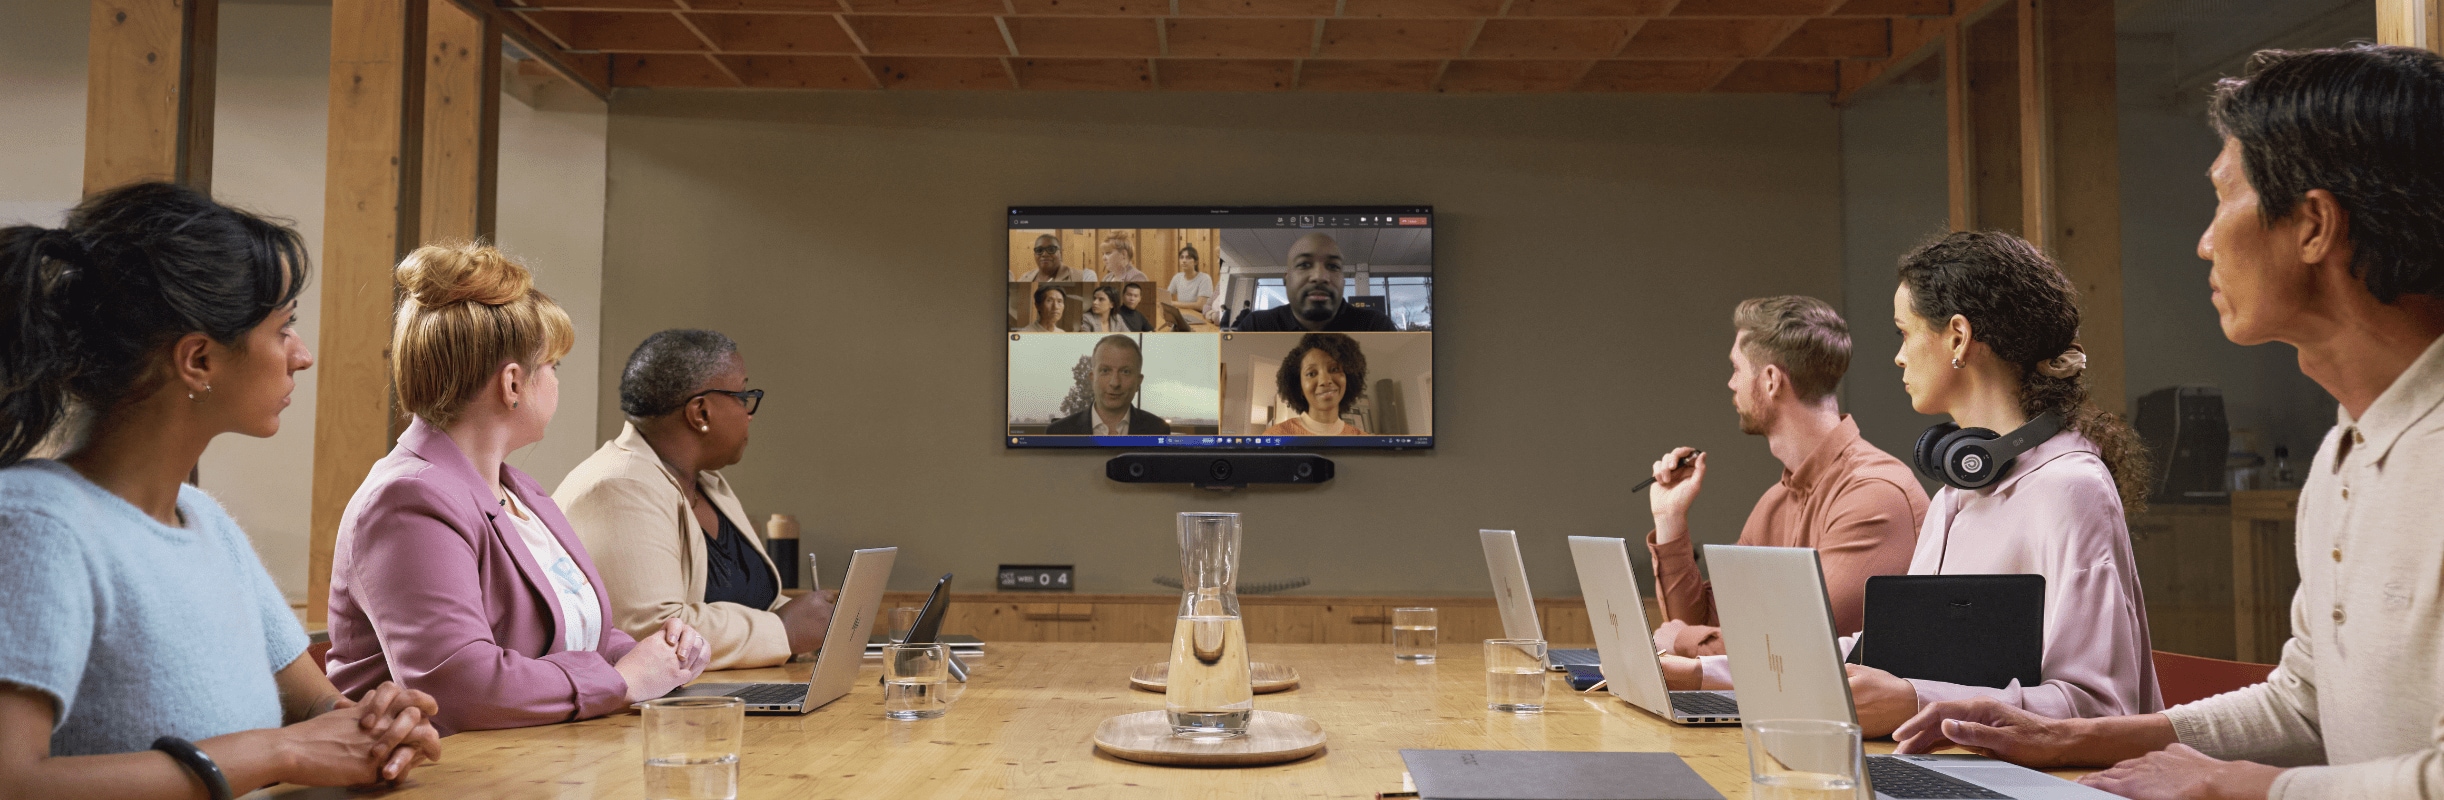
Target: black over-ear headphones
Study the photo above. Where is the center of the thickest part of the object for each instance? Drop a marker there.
(1974, 458)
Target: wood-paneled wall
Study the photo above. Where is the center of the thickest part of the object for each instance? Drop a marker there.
(1270, 619)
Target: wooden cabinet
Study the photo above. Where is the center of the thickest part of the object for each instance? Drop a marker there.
(2266, 571)
(1270, 619)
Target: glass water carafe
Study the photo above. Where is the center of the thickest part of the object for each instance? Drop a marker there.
(1209, 693)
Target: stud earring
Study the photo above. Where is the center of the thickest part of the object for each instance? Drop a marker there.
(1955, 363)
(704, 429)
(513, 405)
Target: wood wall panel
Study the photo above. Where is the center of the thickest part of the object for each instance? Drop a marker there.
(1270, 619)
(370, 219)
(1993, 115)
(149, 92)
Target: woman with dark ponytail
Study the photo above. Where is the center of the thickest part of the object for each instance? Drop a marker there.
(1989, 330)
(147, 652)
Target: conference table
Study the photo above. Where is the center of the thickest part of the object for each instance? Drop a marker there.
(1023, 726)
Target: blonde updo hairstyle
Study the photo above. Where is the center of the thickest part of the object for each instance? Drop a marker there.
(465, 311)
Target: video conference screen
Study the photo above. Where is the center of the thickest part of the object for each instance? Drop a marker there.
(1238, 328)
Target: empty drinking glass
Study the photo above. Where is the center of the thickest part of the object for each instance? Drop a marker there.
(1413, 634)
(1514, 675)
(1803, 759)
(916, 681)
(691, 747)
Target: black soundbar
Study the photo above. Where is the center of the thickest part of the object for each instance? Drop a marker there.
(1218, 470)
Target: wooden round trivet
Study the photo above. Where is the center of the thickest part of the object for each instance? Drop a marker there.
(1269, 678)
(1272, 737)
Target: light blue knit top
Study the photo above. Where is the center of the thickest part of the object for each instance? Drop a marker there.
(135, 629)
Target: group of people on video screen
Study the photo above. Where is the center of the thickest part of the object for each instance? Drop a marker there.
(1314, 283)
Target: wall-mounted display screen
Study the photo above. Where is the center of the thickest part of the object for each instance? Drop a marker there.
(1243, 328)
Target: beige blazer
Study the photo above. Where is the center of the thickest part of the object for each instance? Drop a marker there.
(627, 506)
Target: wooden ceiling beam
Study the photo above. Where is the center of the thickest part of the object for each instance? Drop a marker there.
(589, 72)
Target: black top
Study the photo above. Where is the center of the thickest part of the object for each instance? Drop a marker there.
(733, 573)
(1285, 319)
(1141, 423)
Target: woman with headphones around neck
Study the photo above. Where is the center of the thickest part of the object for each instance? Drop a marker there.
(1988, 336)
(2035, 479)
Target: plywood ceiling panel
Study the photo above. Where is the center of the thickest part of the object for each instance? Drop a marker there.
(1224, 75)
(1792, 46)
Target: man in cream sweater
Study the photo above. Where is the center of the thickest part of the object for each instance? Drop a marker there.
(2328, 235)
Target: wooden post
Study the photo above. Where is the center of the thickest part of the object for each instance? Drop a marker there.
(2029, 99)
(2417, 23)
(2073, 173)
(148, 95)
(462, 123)
(371, 211)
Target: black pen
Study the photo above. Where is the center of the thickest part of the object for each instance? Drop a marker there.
(1650, 479)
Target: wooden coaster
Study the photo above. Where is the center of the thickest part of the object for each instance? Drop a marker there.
(1272, 737)
(1269, 678)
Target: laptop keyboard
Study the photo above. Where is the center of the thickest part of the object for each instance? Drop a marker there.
(772, 694)
(1568, 656)
(1893, 777)
(1704, 704)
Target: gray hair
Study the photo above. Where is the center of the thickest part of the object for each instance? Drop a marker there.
(670, 365)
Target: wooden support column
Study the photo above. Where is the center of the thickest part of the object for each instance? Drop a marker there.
(148, 92)
(462, 123)
(2071, 157)
(2030, 107)
(2417, 23)
(371, 217)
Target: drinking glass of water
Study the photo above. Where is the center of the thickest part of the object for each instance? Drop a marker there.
(1803, 759)
(903, 619)
(1514, 675)
(691, 747)
(916, 681)
(1413, 635)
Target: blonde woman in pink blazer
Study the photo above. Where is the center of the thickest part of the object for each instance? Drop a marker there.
(454, 573)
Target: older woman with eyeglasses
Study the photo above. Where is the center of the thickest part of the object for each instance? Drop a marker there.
(671, 539)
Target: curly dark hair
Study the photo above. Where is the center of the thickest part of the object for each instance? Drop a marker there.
(2360, 122)
(1343, 350)
(2021, 305)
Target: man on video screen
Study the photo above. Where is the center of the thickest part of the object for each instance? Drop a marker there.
(1119, 369)
(1314, 287)
(1048, 266)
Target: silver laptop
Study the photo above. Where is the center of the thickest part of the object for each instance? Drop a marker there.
(1778, 628)
(861, 596)
(1631, 671)
(1518, 606)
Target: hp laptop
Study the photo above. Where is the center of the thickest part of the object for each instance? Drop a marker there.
(1778, 627)
(836, 666)
(1631, 671)
(1517, 605)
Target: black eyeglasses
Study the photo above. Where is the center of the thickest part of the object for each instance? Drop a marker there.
(750, 398)
(1047, 249)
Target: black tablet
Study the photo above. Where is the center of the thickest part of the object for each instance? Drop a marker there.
(1973, 630)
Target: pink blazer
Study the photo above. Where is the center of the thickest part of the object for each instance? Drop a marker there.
(431, 587)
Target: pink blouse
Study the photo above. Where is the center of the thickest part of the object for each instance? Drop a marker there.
(2058, 515)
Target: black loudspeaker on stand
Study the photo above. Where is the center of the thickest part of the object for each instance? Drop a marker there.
(1218, 470)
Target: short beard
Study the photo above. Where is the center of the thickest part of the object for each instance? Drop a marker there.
(1750, 425)
(1317, 312)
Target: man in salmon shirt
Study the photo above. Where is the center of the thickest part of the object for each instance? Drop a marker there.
(1858, 506)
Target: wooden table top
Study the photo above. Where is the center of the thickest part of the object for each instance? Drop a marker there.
(1025, 724)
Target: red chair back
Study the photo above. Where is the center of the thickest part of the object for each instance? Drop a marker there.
(2186, 679)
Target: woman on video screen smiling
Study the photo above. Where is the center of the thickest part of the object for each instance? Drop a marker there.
(1321, 378)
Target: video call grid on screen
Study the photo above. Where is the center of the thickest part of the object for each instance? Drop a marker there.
(1186, 327)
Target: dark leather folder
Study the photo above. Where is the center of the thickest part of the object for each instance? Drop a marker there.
(1973, 630)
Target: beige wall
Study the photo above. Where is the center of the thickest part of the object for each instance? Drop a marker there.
(1591, 249)
(268, 157)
